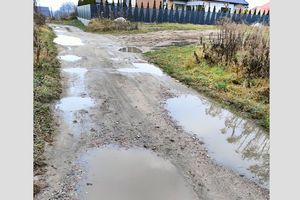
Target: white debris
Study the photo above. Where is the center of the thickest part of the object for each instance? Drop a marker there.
(120, 19)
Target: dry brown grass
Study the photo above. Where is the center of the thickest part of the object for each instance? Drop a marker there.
(107, 25)
(241, 48)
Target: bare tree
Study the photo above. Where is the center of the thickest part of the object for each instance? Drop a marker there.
(67, 8)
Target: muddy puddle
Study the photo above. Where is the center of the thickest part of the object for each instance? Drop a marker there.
(75, 106)
(74, 103)
(143, 68)
(68, 40)
(231, 141)
(76, 87)
(114, 173)
(131, 50)
(70, 58)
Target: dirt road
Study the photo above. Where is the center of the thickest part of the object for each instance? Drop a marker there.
(106, 104)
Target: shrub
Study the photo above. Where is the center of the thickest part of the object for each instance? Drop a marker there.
(241, 48)
(39, 19)
(104, 25)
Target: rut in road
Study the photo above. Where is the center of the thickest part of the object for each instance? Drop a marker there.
(106, 112)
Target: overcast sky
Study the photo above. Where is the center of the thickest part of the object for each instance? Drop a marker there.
(55, 4)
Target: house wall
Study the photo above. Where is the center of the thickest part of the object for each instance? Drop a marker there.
(208, 4)
(151, 2)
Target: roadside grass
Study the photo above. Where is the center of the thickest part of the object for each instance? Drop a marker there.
(47, 88)
(106, 26)
(174, 26)
(215, 82)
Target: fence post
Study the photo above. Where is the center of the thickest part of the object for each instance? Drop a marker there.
(165, 18)
(254, 17)
(268, 18)
(213, 16)
(153, 17)
(262, 17)
(176, 15)
(113, 10)
(181, 19)
(187, 16)
(106, 9)
(141, 15)
(234, 16)
(238, 16)
(124, 11)
(147, 17)
(136, 13)
(249, 17)
(197, 16)
(207, 20)
(192, 19)
(219, 15)
(202, 15)
(258, 17)
(244, 16)
(160, 14)
(118, 9)
(171, 18)
(129, 14)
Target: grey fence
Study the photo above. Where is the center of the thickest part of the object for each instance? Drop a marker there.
(160, 14)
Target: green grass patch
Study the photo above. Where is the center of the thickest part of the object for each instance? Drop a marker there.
(214, 81)
(71, 22)
(47, 88)
(173, 26)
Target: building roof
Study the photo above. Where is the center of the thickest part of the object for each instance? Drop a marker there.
(44, 11)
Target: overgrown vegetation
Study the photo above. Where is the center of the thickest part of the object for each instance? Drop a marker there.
(232, 67)
(241, 48)
(47, 87)
(107, 25)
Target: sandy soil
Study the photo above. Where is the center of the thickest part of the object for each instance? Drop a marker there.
(128, 111)
(154, 40)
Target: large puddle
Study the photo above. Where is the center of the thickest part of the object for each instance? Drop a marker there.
(231, 141)
(68, 40)
(131, 174)
(143, 68)
(77, 86)
(70, 58)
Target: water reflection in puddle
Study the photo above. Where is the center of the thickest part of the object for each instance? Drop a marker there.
(235, 143)
(134, 174)
(74, 103)
(131, 50)
(70, 58)
(68, 40)
(77, 87)
(143, 68)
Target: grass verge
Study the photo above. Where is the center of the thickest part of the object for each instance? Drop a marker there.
(71, 22)
(215, 82)
(47, 88)
(108, 26)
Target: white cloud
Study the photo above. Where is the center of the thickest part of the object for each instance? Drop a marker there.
(54, 4)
